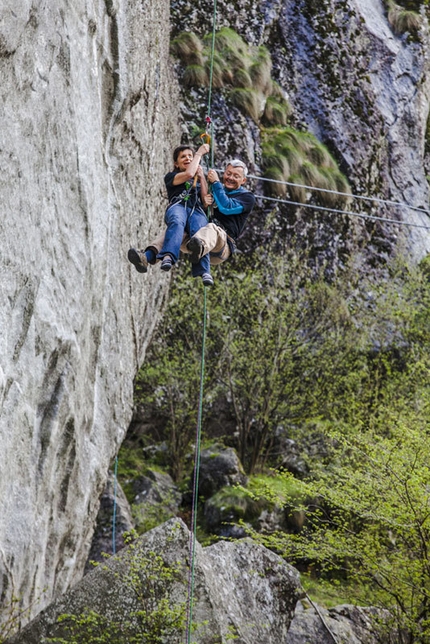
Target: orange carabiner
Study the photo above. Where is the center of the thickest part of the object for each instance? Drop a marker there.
(206, 137)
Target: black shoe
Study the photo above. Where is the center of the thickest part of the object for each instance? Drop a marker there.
(138, 259)
(166, 263)
(207, 279)
(196, 248)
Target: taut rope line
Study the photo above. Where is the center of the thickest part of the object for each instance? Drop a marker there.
(193, 526)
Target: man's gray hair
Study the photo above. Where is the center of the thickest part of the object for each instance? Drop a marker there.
(237, 163)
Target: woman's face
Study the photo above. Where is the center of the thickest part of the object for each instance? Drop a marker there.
(184, 159)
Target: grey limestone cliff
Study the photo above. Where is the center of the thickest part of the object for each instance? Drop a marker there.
(87, 122)
(89, 115)
(361, 88)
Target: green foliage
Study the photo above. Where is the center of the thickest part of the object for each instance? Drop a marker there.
(256, 354)
(367, 527)
(347, 360)
(150, 579)
(170, 379)
(276, 111)
(298, 157)
(13, 614)
(403, 17)
(248, 100)
(188, 48)
(244, 71)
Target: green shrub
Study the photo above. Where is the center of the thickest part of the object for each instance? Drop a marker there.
(195, 75)
(300, 158)
(276, 111)
(188, 47)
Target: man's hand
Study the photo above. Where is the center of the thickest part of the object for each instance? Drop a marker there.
(200, 173)
(213, 176)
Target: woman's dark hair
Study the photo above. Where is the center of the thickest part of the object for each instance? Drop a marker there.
(179, 149)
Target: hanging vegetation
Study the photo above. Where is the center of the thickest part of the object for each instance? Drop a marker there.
(243, 70)
(404, 17)
(298, 157)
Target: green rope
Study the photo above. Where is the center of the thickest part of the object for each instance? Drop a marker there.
(212, 61)
(196, 481)
(115, 483)
(192, 545)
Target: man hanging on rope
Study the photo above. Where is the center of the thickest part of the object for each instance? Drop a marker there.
(184, 215)
(233, 204)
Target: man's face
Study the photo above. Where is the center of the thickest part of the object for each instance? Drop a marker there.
(184, 159)
(233, 177)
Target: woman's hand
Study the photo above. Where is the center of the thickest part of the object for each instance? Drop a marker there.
(203, 149)
(207, 200)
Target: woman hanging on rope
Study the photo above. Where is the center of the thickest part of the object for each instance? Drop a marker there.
(216, 240)
(185, 213)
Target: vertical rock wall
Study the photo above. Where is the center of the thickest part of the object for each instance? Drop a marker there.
(87, 122)
(363, 90)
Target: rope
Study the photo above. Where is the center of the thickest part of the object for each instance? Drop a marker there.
(115, 479)
(389, 202)
(327, 627)
(343, 194)
(344, 212)
(192, 542)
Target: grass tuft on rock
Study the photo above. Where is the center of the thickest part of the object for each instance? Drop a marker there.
(298, 157)
(243, 70)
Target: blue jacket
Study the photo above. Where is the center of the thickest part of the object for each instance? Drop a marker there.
(233, 208)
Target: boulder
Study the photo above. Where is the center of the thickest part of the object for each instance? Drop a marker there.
(219, 466)
(242, 591)
(346, 624)
(156, 499)
(113, 504)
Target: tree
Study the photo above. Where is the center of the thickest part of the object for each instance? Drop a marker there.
(368, 504)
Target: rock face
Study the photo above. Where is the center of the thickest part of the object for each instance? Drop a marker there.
(361, 89)
(113, 507)
(88, 121)
(89, 117)
(344, 624)
(241, 589)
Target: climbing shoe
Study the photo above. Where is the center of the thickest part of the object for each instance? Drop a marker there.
(207, 279)
(138, 259)
(195, 246)
(166, 263)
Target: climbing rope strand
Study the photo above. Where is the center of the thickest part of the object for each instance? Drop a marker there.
(344, 212)
(193, 530)
(192, 542)
(115, 479)
(211, 71)
(326, 626)
(342, 194)
(388, 202)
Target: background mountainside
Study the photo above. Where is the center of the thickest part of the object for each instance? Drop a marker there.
(92, 104)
